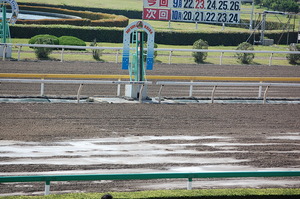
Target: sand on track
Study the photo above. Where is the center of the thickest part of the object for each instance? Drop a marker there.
(138, 138)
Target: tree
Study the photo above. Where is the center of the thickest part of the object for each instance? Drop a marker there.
(280, 5)
(245, 58)
(294, 58)
(199, 57)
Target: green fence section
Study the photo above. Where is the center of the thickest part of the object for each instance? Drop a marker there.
(147, 176)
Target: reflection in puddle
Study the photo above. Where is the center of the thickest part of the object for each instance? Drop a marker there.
(135, 150)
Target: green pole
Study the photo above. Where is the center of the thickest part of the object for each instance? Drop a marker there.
(141, 60)
(136, 64)
(4, 24)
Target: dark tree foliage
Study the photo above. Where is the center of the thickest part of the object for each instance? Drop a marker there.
(279, 5)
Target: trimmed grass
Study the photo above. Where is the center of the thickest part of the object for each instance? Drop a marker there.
(199, 193)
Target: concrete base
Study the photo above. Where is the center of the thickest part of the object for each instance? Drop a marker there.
(133, 91)
(7, 51)
(268, 42)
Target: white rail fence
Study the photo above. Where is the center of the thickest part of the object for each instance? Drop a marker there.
(80, 82)
(161, 83)
(119, 49)
(225, 84)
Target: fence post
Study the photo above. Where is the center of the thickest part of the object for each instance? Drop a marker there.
(170, 56)
(221, 58)
(141, 94)
(42, 88)
(47, 188)
(159, 94)
(265, 94)
(78, 93)
(119, 88)
(117, 56)
(191, 89)
(62, 55)
(270, 61)
(4, 52)
(189, 185)
(259, 90)
(213, 94)
(19, 52)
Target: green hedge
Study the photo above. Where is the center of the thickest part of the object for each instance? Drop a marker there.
(115, 35)
(70, 40)
(35, 38)
(88, 18)
(102, 34)
(133, 14)
(136, 14)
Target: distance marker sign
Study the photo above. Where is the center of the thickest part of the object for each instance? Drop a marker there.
(206, 11)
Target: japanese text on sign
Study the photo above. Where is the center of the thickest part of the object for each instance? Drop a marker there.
(229, 5)
(210, 11)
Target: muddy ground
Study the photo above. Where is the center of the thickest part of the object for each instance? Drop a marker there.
(68, 138)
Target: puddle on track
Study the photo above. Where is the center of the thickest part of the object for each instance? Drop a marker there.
(144, 150)
(133, 150)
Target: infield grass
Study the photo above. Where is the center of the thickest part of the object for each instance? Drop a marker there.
(197, 193)
(163, 56)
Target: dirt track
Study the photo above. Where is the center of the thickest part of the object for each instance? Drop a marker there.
(153, 137)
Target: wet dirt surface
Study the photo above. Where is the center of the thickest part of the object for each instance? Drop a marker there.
(96, 138)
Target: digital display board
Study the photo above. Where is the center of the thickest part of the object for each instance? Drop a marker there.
(207, 11)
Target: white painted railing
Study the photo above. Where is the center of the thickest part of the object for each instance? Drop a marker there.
(118, 49)
(161, 83)
(224, 84)
(80, 82)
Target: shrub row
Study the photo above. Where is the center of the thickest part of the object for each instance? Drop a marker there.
(115, 35)
(136, 14)
(88, 18)
(133, 14)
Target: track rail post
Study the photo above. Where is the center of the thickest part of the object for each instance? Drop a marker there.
(190, 184)
(213, 94)
(62, 55)
(141, 93)
(221, 58)
(42, 88)
(265, 94)
(19, 52)
(117, 56)
(271, 57)
(159, 94)
(170, 56)
(47, 188)
(4, 52)
(259, 90)
(78, 93)
(191, 89)
(119, 88)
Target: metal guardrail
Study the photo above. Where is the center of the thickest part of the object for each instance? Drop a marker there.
(80, 82)
(146, 176)
(223, 84)
(247, 81)
(118, 49)
(149, 77)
